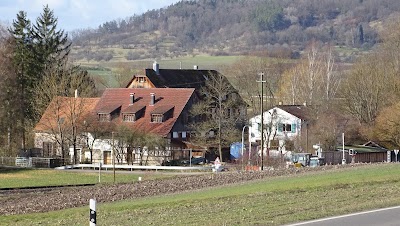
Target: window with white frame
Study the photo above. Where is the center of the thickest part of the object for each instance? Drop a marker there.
(129, 117)
(104, 117)
(156, 118)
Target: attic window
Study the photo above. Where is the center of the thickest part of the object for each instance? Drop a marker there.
(162, 113)
(109, 113)
(104, 117)
(129, 117)
(141, 79)
(157, 118)
(133, 113)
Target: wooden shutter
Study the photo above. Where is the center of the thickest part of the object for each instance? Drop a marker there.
(280, 127)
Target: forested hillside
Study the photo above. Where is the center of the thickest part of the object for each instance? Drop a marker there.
(233, 27)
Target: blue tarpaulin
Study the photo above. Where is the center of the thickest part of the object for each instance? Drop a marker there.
(236, 150)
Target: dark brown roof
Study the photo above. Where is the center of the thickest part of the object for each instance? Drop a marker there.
(178, 78)
(166, 98)
(300, 111)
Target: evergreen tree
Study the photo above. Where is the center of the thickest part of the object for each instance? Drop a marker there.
(51, 45)
(40, 50)
(361, 34)
(10, 111)
(25, 79)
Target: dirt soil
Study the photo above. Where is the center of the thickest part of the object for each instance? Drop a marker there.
(44, 200)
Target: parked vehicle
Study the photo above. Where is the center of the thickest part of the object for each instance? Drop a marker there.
(184, 162)
(315, 161)
(306, 159)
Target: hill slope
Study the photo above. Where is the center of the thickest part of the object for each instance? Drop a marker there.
(236, 27)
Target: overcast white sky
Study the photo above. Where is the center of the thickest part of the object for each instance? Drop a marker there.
(74, 14)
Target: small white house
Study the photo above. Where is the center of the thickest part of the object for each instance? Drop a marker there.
(282, 123)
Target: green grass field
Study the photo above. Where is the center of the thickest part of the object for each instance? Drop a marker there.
(105, 78)
(47, 177)
(272, 201)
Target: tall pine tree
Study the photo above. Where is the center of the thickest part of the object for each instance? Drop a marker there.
(41, 50)
(51, 45)
(25, 76)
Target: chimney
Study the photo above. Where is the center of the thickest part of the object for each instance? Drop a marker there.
(152, 99)
(76, 93)
(195, 67)
(156, 67)
(305, 104)
(132, 98)
(180, 65)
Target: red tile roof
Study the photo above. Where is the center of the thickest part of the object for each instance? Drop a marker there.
(133, 108)
(165, 98)
(162, 109)
(61, 109)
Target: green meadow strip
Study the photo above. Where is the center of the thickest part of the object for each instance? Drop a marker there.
(271, 201)
(49, 177)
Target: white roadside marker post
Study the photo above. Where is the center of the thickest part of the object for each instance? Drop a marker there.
(92, 218)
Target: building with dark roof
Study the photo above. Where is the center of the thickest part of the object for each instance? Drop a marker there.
(171, 78)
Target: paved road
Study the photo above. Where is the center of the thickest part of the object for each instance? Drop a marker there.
(382, 217)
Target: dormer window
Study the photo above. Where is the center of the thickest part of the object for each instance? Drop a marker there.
(108, 113)
(104, 117)
(157, 118)
(162, 114)
(133, 113)
(129, 117)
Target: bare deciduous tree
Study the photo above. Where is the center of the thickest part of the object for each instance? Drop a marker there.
(245, 73)
(220, 111)
(313, 80)
(387, 126)
(56, 86)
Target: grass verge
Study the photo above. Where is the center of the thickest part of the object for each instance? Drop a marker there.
(272, 201)
(16, 178)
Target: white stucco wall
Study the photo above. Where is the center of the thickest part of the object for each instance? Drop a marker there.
(272, 118)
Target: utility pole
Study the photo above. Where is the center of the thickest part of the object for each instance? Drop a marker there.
(113, 154)
(262, 118)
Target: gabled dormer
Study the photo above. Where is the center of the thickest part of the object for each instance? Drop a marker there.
(140, 81)
(162, 114)
(108, 113)
(133, 113)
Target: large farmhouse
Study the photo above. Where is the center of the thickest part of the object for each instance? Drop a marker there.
(155, 103)
(160, 112)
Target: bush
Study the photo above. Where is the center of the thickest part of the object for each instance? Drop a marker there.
(132, 55)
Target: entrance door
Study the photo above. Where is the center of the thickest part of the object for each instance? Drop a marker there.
(107, 157)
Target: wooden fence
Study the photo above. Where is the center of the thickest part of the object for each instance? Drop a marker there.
(35, 162)
(335, 157)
